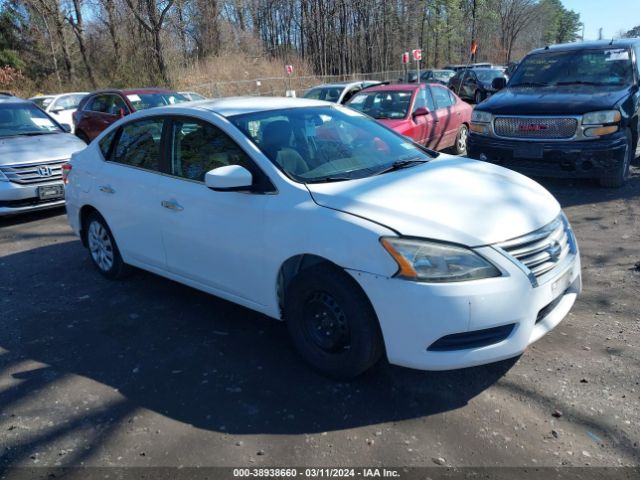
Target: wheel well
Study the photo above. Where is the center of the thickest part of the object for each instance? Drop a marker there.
(85, 211)
(291, 267)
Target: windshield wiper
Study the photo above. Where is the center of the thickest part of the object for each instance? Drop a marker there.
(33, 134)
(400, 164)
(530, 84)
(579, 82)
(328, 178)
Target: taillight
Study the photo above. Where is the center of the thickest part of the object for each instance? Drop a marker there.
(66, 169)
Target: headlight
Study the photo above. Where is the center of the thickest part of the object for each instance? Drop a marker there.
(479, 116)
(427, 261)
(601, 118)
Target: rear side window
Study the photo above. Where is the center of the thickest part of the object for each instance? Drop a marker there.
(442, 97)
(99, 103)
(199, 147)
(139, 144)
(105, 144)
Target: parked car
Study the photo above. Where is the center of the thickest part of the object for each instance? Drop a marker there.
(33, 147)
(429, 114)
(339, 92)
(192, 96)
(310, 212)
(569, 110)
(475, 84)
(61, 106)
(100, 109)
(429, 76)
(457, 67)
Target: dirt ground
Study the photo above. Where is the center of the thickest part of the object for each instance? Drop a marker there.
(151, 373)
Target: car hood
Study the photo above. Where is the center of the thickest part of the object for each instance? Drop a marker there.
(562, 100)
(24, 149)
(451, 199)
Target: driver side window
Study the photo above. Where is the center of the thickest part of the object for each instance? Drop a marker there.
(198, 147)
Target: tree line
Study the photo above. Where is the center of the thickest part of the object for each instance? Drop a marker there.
(63, 44)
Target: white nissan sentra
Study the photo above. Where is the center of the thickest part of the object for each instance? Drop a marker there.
(364, 243)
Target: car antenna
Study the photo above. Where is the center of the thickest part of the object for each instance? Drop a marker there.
(546, 47)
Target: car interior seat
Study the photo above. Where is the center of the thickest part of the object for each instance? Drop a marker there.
(276, 143)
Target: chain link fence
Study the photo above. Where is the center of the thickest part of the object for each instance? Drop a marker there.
(278, 86)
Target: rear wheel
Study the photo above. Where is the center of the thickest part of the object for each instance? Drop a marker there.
(622, 174)
(103, 250)
(460, 147)
(331, 322)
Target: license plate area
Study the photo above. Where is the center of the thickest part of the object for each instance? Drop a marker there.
(51, 192)
(560, 285)
(528, 151)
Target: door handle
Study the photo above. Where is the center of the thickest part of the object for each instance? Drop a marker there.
(171, 205)
(106, 189)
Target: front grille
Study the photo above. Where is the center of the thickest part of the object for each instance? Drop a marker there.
(34, 173)
(535, 127)
(541, 250)
(474, 339)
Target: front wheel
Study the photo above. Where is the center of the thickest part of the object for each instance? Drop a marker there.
(460, 147)
(331, 322)
(622, 174)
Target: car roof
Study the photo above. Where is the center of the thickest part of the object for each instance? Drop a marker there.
(132, 91)
(396, 87)
(596, 44)
(56, 95)
(230, 106)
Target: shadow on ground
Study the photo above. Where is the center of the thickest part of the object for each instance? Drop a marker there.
(193, 357)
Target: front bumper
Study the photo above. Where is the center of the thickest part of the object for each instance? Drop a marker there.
(16, 198)
(413, 316)
(566, 159)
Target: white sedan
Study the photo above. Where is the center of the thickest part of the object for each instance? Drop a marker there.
(60, 107)
(364, 243)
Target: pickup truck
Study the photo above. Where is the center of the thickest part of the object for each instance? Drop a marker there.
(568, 110)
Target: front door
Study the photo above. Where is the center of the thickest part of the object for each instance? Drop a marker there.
(213, 239)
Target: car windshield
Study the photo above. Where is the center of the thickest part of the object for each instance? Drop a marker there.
(443, 75)
(387, 104)
(487, 76)
(42, 102)
(324, 144)
(142, 101)
(25, 119)
(329, 94)
(605, 67)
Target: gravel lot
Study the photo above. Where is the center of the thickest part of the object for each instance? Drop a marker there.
(147, 372)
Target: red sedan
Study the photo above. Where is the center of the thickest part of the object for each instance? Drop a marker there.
(430, 114)
(100, 109)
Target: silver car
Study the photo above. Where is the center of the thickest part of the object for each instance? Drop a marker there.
(33, 148)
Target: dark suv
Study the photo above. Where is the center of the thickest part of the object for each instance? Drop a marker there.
(568, 111)
(100, 109)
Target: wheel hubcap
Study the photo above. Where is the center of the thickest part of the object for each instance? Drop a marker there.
(325, 323)
(100, 246)
(462, 140)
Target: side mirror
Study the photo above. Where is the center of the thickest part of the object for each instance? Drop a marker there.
(232, 178)
(421, 112)
(66, 127)
(498, 83)
(57, 110)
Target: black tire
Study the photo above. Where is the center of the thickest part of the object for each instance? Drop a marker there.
(324, 299)
(83, 137)
(103, 251)
(622, 175)
(460, 147)
(478, 97)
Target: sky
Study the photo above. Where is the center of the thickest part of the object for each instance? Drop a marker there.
(611, 15)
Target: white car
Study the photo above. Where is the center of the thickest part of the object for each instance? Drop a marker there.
(363, 242)
(60, 107)
(339, 92)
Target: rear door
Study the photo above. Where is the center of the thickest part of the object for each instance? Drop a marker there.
(448, 120)
(127, 191)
